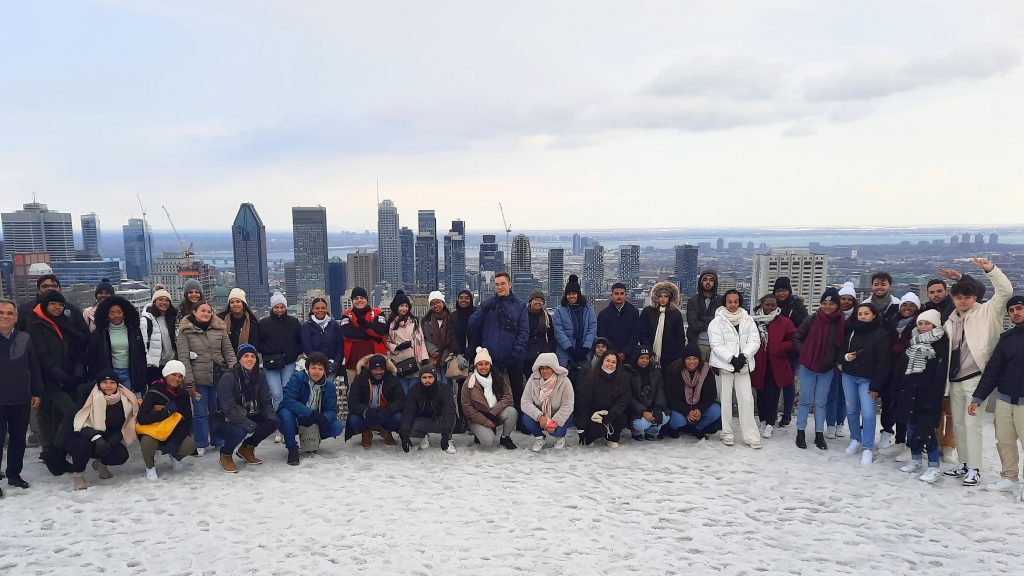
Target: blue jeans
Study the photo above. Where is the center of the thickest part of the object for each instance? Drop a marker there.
(835, 412)
(860, 406)
(276, 379)
(357, 425)
(408, 382)
(932, 448)
(532, 427)
(641, 426)
(201, 410)
(709, 423)
(235, 434)
(290, 427)
(126, 377)
(813, 386)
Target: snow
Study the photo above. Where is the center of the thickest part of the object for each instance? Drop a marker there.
(669, 507)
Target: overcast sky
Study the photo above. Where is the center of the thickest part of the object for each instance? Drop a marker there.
(584, 114)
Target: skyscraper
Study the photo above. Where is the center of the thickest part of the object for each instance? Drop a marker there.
(807, 272)
(363, 270)
(454, 261)
(35, 228)
(686, 269)
(309, 235)
(336, 272)
(593, 271)
(629, 265)
(522, 257)
(426, 252)
(249, 240)
(388, 246)
(576, 244)
(291, 285)
(91, 234)
(489, 254)
(556, 270)
(138, 249)
(407, 241)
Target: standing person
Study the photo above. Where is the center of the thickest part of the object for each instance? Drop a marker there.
(601, 403)
(20, 390)
(375, 401)
(364, 329)
(438, 334)
(548, 402)
(735, 341)
(45, 284)
(661, 325)
(464, 310)
(773, 371)
(866, 361)
(406, 347)
(193, 291)
(835, 410)
(700, 311)
(158, 323)
(322, 334)
(691, 393)
(280, 344)
(575, 328)
(116, 343)
(885, 302)
(309, 399)
(973, 330)
(542, 332)
(487, 403)
(648, 409)
(430, 408)
(502, 326)
(164, 398)
(904, 325)
(103, 291)
(243, 327)
(205, 349)
(619, 322)
(792, 307)
(103, 428)
(819, 343)
(1003, 375)
(246, 414)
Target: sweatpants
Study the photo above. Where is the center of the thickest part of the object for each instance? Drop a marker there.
(1009, 431)
(82, 449)
(421, 426)
(739, 384)
(490, 436)
(966, 428)
(150, 445)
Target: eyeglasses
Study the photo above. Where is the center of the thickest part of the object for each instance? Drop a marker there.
(50, 286)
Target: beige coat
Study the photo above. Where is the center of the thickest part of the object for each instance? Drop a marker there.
(210, 347)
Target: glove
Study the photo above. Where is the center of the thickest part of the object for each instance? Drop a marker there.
(171, 407)
(321, 420)
(406, 443)
(577, 354)
(743, 359)
(102, 447)
(403, 346)
(598, 416)
(737, 364)
(494, 418)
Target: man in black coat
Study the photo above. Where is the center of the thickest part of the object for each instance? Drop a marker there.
(619, 323)
(20, 389)
(376, 401)
(792, 307)
(429, 408)
(50, 283)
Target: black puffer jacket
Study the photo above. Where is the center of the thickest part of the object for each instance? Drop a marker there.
(98, 357)
(602, 391)
(1005, 369)
(919, 396)
(280, 335)
(673, 338)
(61, 356)
(872, 343)
(647, 392)
(434, 402)
(675, 390)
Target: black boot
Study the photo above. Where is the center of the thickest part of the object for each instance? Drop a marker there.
(293, 457)
(819, 441)
(800, 442)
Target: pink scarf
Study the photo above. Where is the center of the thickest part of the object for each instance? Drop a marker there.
(694, 383)
(546, 388)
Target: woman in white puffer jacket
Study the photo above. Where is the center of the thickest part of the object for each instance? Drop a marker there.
(734, 341)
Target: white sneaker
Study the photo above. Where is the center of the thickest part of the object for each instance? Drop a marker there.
(768, 431)
(761, 426)
(560, 443)
(451, 447)
(912, 466)
(949, 456)
(973, 477)
(426, 443)
(175, 463)
(538, 444)
(930, 475)
(200, 452)
(840, 431)
(904, 454)
(151, 474)
(830, 432)
(1004, 484)
(884, 441)
(853, 448)
(756, 445)
(728, 439)
(278, 438)
(613, 444)
(866, 458)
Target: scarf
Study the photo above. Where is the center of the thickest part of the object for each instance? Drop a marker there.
(763, 320)
(204, 326)
(243, 332)
(316, 390)
(920, 350)
(812, 353)
(439, 334)
(94, 413)
(659, 332)
(546, 388)
(249, 393)
(487, 385)
(734, 318)
(904, 322)
(322, 323)
(576, 313)
(693, 383)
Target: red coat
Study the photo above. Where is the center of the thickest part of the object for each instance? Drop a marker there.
(776, 354)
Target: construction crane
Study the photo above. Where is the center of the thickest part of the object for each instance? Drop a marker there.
(508, 230)
(185, 252)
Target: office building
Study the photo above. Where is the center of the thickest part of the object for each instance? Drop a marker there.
(91, 235)
(807, 272)
(629, 265)
(35, 228)
(686, 270)
(249, 241)
(388, 247)
(138, 249)
(454, 262)
(556, 271)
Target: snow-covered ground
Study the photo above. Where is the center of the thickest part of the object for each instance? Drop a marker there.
(669, 507)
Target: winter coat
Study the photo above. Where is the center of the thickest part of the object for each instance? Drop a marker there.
(889, 314)
(210, 347)
(113, 422)
(298, 390)
(674, 336)
(699, 314)
(98, 356)
(563, 398)
(71, 312)
(542, 335)
(565, 333)
(158, 394)
(1004, 371)
(327, 340)
(502, 326)
(407, 331)
(474, 402)
(364, 332)
(919, 396)
(436, 403)
(231, 402)
(360, 394)
(22, 379)
(153, 338)
(460, 323)
(444, 333)
(601, 391)
(874, 359)
(775, 354)
(620, 327)
(647, 392)
(984, 323)
(254, 327)
(727, 342)
(280, 335)
(675, 390)
(794, 309)
(832, 355)
(61, 355)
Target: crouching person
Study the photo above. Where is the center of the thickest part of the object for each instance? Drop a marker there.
(647, 400)
(602, 401)
(430, 408)
(692, 396)
(308, 400)
(165, 419)
(375, 401)
(487, 404)
(548, 402)
(246, 415)
(103, 428)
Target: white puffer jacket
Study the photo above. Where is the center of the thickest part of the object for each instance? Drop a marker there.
(727, 343)
(153, 338)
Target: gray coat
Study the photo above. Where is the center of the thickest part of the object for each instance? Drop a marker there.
(210, 347)
(230, 401)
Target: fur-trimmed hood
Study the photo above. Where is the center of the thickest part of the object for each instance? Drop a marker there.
(673, 290)
(131, 314)
(216, 323)
(365, 361)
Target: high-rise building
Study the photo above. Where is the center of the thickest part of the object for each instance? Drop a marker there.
(629, 265)
(363, 270)
(426, 222)
(686, 270)
(720, 244)
(309, 234)
(979, 240)
(593, 271)
(89, 272)
(489, 259)
(35, 228)
(521, 259)
(26, 268)
(556, 270)
(388, 247)
(138, 249)
(426, 252)
(807, 272)
(336, 280)
(965, 238)
(249, 240)
(291, 282)
(91, 234)
(454, 261)
(173, 270)
(993, 239)
(576, 245)
(407, 239)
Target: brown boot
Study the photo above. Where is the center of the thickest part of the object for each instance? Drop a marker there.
(79, 478)
(248, 453)
(228, 463)
(367, 439)
(389, 440)
(102, 469)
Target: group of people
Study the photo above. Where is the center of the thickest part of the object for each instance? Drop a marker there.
(180, 379)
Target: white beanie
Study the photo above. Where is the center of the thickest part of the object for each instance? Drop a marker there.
(848, 290)
(237, 293)
(435, 295)
(481, 355)
(174, 367)
(911, 297)
(932, 316)
(161, 293)
(278, 298)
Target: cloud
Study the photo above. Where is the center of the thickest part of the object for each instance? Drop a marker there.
(736, 76)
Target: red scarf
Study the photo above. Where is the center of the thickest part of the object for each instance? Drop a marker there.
(812, 353)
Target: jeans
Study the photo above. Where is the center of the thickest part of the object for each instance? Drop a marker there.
(14, 424)
(813, 387)
(234, 434)
(835, 411)
(290, 427)
(932, 448)
(126, 378)
(201, 410)
(641, 426)
(408, 382)
(532, 427)
(276, 379)
(860, 405)
(789, 392)
(357, 424)
(709, 422)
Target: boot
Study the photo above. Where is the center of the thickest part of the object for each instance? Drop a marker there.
(293, 457)
(248, 453)
(367, 439)
(819, 441)
(800, 441)
(79, 478)
(228, 463)
(389, 439)
(102, 469)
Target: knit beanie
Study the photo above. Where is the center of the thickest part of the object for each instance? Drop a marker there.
(245, 349)
(427, 369)
(190, 285)
(691, 350)
(160, 293)
(104, 286)
(932, 316)
(830, 295)
(173, 367)
(52, 296)
(237, 294)
(278, 298)
(910, 297)
(107, 374)
(358, 292)
(399, 299)
(482, 355)
(435, 295)
(782, 283)
(537, 295)
(1013, 301)
(573, 285)
(848, 290)
(378, 361)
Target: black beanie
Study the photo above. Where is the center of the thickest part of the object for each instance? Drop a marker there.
(782, 283)
(52, 296)
(359, 291)
(400, 298)
(573, 285)
(104, 286)
(831, 294)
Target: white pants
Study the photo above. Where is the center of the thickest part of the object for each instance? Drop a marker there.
(966, 428)
(728, 383)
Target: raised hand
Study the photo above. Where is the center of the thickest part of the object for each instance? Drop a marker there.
(983, 263)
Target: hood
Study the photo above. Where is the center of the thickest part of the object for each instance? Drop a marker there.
(131, 314)
(707, 272)
(215, 322)
(551, 360)
(365, 360)
(673, 290)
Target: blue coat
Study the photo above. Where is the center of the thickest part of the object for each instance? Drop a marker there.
(565, 333)
(506, 344)
(328, 340)
(296, 395)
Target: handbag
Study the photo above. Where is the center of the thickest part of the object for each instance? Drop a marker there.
(159, 430)
(457, 368)
(407, 367)
(273, 361)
